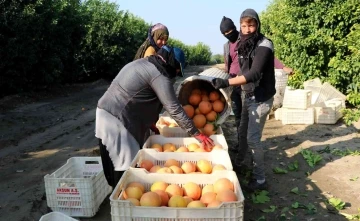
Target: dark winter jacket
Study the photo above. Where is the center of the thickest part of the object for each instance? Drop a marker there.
(258, 66)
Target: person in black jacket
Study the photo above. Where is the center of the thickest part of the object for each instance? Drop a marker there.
(257, 80)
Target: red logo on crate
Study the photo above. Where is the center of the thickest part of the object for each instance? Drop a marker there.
(71, 191)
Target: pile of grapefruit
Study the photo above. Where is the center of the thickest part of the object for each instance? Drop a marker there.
(193, 147)
(203, 107)
(190, 195)
(174, 166)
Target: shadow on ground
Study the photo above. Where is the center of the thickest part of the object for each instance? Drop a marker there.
(331, 177)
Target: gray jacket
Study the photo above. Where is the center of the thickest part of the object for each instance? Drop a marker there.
(136, 97)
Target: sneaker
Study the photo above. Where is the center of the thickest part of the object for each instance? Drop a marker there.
(253, 185)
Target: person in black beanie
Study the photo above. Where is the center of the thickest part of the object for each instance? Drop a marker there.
(232, 67)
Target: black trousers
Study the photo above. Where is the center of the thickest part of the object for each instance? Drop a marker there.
(112, 176)
(236, 105)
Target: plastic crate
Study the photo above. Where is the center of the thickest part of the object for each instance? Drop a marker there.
(297, 116)
(314, 85)
(329, 92)
(175, 131)
(329, 112)
(78, 187)
(159, 158)
(297, 99)
(56, 216)
(281, 79)
(183, 141)
(123, 210)
(278, 113)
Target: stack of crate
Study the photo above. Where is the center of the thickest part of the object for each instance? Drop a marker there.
(122, 209)
(326, 100)
(317, 103)
(296, 108)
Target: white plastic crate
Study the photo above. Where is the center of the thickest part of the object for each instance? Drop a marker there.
(329, 92)
(175, 131)
(314, 85)
(56, 216)
(78, 187)
(183, 141)
(297, 116)
(123, 210)
(297, 99)
(278, 114)
(281, 79)
(159, 158)
(328, 112)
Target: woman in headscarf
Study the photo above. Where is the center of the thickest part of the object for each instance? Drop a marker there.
(157, 37)
(133, 102)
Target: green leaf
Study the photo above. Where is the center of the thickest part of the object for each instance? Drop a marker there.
(311, 209)
(295, 190)
(337, 203)
(278, 170)
(294, 166)
(282, 217)
(270, 209)
(285, 209)
(295, 205)
(351, 216)
(262, 218)
(260, 197)
(311, 158)
(354, 178)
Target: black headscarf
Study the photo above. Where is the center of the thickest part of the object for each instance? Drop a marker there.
(165, 62)
(248, 42)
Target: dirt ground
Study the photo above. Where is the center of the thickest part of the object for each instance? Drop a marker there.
(40, 131)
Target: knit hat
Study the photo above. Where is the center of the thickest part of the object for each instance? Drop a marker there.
(226, 25)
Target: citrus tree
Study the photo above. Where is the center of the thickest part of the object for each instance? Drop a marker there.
(318, 39)
(46, 42)
(111, 39)
(39, 40)
(199, 54)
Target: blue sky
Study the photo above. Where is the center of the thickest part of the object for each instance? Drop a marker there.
(192, 21)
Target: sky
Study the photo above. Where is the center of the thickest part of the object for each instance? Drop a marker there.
(192, 21)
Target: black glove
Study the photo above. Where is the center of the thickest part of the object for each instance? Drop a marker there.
(154, 129)
(218, 83)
